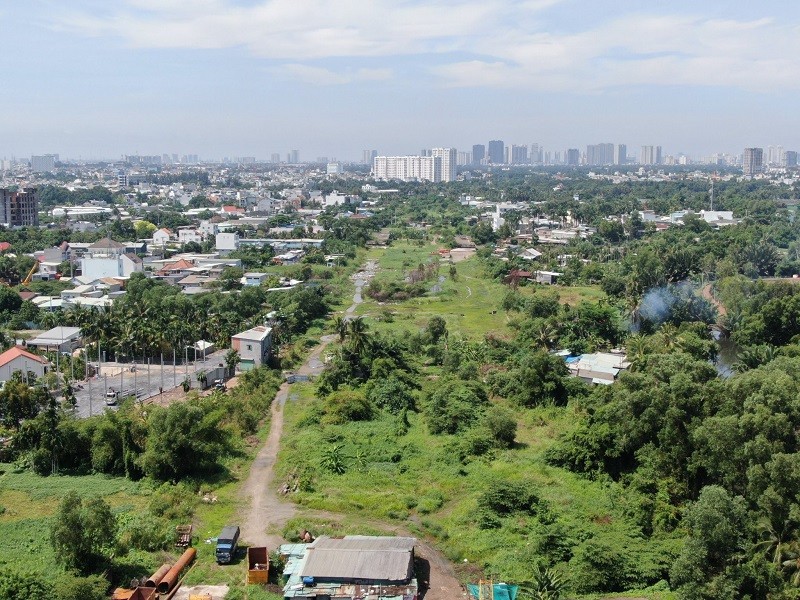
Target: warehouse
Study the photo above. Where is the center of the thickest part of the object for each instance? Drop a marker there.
(355, 566)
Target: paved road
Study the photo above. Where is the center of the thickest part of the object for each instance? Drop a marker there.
(143, 382)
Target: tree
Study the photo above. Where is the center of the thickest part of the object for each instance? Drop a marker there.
(454, 405)
(232, 359)
(82, 534)
(144, 230)
(184, 439)
(357, 331)
(18, 401)
(717, 530)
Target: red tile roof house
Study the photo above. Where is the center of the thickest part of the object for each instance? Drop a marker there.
(19, 359)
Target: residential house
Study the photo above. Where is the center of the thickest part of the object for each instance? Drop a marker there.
(107, 258)
(19, 359)
(547, 277)
(162, 237)
(599, 368)
(254, 279)
(254, 346)
(189, 234)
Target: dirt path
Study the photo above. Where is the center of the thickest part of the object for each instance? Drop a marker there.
(706, 292)
(266, 513)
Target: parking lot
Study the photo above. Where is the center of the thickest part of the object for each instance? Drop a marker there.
(142, 380)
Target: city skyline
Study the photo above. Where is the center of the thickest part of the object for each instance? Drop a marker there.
(252, 78)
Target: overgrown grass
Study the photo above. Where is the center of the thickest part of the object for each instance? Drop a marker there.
(30, 501)
(469, 303)
(415, 481)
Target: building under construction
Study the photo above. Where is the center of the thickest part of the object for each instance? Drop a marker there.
(355, 566)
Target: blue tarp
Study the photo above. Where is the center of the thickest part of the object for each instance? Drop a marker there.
(501, 591)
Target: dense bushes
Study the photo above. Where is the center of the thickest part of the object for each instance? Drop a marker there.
(187, 439)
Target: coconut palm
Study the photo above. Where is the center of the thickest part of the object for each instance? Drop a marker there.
(636, 349)
(775, 542)
(357, 331)
(340, 327)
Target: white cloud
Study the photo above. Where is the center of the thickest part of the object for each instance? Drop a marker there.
(321, 76)
(495, 43)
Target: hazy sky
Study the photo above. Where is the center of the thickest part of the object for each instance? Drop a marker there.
(101, 78)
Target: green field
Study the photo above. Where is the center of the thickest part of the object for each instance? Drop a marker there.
(29, 501)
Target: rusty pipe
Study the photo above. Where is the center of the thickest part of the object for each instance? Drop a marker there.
(156, 577)
(171, 578)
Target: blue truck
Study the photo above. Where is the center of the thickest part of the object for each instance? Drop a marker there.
(227, 544)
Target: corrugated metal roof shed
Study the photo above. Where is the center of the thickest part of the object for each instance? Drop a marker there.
(360, 558)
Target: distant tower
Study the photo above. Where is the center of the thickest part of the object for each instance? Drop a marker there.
(497, 152)
(752, 161)
(478, 154)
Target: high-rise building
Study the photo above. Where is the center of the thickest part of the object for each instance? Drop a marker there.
(43, 164)
(294, 157)
(408, 168)
(449, 157)
(496, 152)
(771, 157)
(464, 159)
(600, 154)
(368, 156)
(537, 154)
(752, 161)
(790, 158)
(573, 156)
(621, 154)
(275, 158)
(19, 209)
(478, 154)
(518, 155)
(651, 155)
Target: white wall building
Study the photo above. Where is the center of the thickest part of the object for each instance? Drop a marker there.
(19, 359)
(227, 242)
(408, 168)
(107, 258)
(253, 346)
(189, 235)
(449, 158)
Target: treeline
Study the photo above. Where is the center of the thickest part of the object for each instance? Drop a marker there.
(154, 317)
(184, 440)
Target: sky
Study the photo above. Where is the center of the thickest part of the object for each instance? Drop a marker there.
(99, 79)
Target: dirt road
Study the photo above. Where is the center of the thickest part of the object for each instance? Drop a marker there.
(266, 513)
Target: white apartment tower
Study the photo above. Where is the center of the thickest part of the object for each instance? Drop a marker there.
(448, 158)
(407, 168)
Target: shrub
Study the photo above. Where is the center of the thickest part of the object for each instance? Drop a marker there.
(503, 498)
(343, 406)
(454, 405)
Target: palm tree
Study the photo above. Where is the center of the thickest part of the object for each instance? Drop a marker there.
(791, 565)
(357, 330)
(545, 334)
(340, 327)
(636, 349)
(775, 542)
